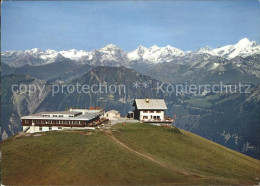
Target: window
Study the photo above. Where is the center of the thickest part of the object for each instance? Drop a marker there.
(40, 128)
(156, 118)
(45, 115)
(82, 122)
(55, 116)
(59, 127)
(26, 121)
(145, 117)
(71, 116)
(49, 121)
(50, 128)
(145, 111)
(76, 122)
(158, 111)
(38, 121)
(60, 115)
(151, 111)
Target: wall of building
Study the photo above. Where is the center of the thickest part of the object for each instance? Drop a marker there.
(149, 115)
(112, 115)
(51, 122)
(33, 129)
(38, 125)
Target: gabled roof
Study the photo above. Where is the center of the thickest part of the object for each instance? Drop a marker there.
(154, 104)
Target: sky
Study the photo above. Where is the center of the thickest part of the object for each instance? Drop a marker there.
(89, 25)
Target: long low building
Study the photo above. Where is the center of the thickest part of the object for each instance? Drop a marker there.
(59, 120)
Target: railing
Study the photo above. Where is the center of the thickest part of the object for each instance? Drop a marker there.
(158, 121)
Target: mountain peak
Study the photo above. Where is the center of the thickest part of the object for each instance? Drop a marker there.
(154, 47)
(243, 42)
(169, 46)
(111, 47)
(50, 51)
(141, 47)
(111, 52)
(243, 48)
(34, 50)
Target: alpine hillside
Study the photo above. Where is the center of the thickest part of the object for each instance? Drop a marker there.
(133, 154)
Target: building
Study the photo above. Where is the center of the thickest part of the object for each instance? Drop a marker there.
(112, 114)
(150, 110)
(59, 120)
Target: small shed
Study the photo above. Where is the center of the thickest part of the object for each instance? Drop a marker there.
(112, 114)
(130, 115)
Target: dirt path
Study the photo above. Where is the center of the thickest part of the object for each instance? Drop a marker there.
(161, 164)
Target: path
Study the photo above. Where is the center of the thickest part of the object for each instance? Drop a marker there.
(164, 165)
(161, 164)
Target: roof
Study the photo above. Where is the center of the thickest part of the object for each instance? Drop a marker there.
(154, 104)
(86, 116)
(112, 112)
(57, 113)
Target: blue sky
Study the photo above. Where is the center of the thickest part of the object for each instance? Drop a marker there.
(89, 25)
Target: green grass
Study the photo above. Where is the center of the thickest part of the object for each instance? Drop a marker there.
(75, 158)
(189, 152)
(87, 157)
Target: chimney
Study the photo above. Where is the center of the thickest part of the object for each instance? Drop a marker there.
(146, 100)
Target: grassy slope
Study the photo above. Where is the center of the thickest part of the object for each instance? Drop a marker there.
(73, 158)
(189, 152)
(93, 158)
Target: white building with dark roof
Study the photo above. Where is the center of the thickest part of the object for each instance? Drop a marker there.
(150, 110)
(59, 120)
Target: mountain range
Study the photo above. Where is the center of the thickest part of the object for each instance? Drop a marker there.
(228, 119)
(112, 55)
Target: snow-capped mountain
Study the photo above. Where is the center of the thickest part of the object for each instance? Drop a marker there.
(243, 48)
(155, 54)
(112, 55)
